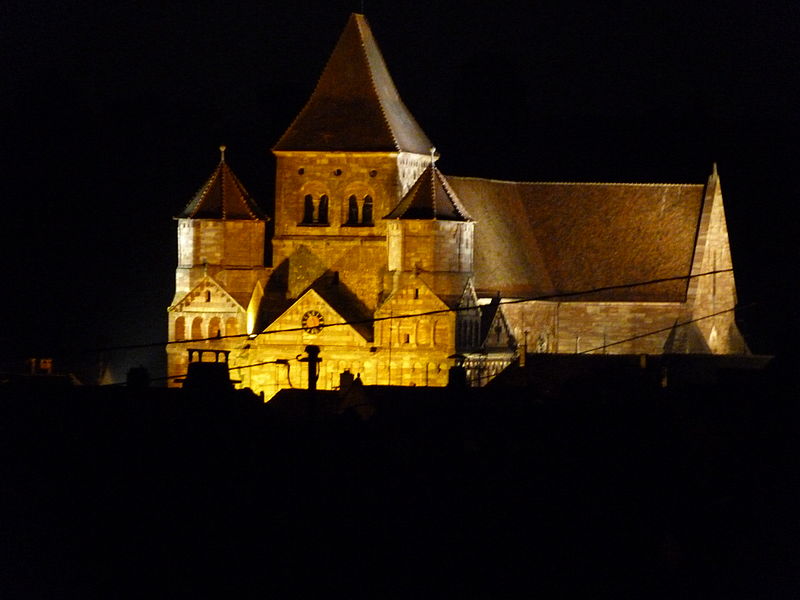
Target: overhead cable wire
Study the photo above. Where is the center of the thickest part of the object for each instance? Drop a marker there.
(663, 329)
(544, 297)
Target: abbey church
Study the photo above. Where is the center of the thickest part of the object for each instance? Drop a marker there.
(398, 272)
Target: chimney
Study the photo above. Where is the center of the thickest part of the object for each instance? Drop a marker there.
(345, 380)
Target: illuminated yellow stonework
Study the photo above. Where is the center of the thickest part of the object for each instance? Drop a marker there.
(379, 259)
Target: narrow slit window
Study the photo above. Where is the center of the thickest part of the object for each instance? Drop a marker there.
(366, 211)
(308, 209)
(352, 211)
(323, 209)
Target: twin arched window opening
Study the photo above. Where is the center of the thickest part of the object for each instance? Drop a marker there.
(353, 216)
(315, 213)
(358, 213)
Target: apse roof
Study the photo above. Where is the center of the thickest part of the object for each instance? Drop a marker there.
(355, 106)
(222, 197)
(545, 239)
(431, 197)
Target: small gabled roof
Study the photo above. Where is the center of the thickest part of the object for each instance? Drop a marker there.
(337, 296)
(355, 106)
(181, 302)
(431, 197)
(222, 197)
(488, 314)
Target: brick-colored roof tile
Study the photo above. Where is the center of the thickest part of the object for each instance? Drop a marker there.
(222, 197)
(355, 106)
(538, 239)
(431, 197)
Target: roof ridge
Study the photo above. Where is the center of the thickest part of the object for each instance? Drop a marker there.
(454, 200)
(202, 200)
(372, 78)
(432, 169)
(308, 102)
(200, 193)
(223, 185)
(242, 191)
(355, 105)
(453, 209)
(609, 183)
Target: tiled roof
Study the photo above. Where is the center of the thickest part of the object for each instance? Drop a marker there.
(222, 197)
(431, 197)
(537, 239)
(355, 106)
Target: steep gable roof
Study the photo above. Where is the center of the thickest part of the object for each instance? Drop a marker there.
(431, 197)
(537, 239)
(341, 299)
(222, 197)
(493, 321)
(431, 301)
(221, 299)
(337, 299)
(355, 106)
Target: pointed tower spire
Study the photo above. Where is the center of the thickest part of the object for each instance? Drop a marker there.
(355, 106)
(222, 197)
(431, 197)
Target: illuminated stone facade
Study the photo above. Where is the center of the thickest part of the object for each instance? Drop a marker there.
(397, 273)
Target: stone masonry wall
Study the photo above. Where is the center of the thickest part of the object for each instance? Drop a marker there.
(715, 293)
(599, 327)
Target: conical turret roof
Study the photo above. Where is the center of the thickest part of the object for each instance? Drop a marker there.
(222, 197)
(431, 197)
(355, 106)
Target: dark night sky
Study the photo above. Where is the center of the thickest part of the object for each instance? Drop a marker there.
(112, 114)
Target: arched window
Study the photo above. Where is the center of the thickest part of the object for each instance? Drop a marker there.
(323, 209)
(424, 333)
(208, 295)
(180, 328)
(441, 333)
(352, 211)
(197, 328)
(214, 328)
(308, 209)
(366, 211)
(231, 326)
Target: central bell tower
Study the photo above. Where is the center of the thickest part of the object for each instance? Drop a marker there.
(343, 164)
